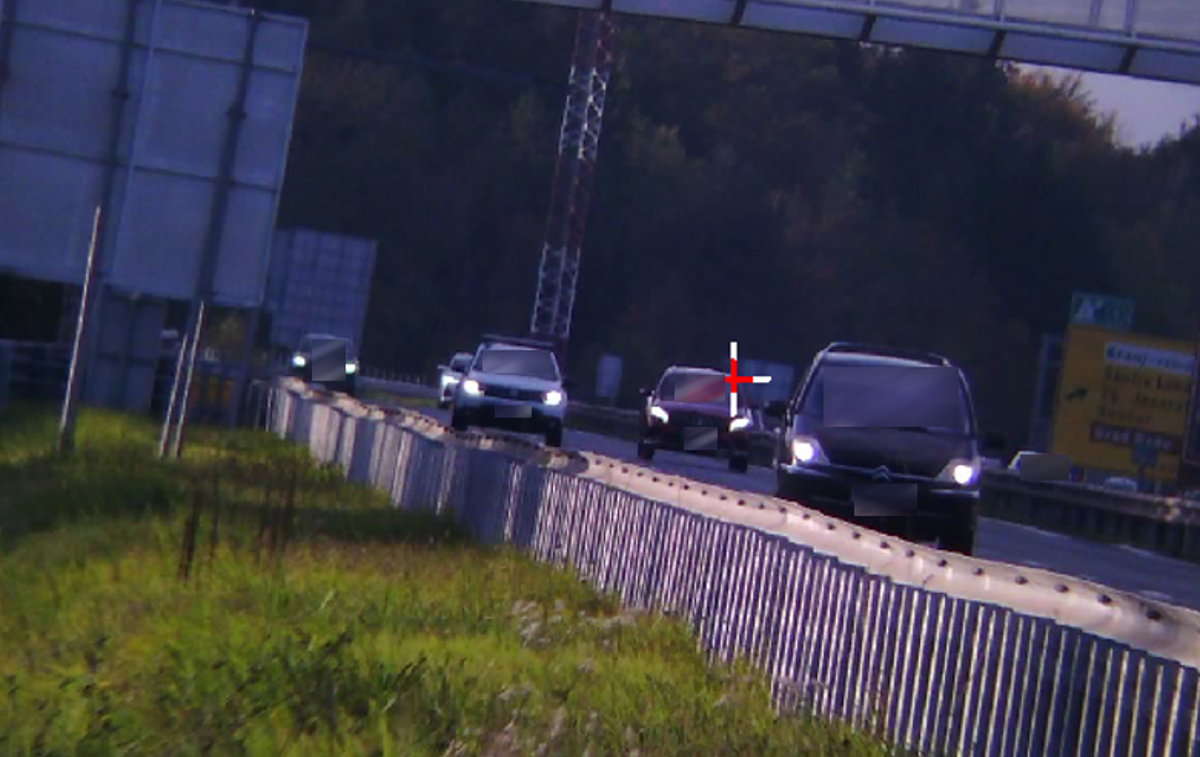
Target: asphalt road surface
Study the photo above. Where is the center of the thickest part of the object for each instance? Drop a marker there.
(1121, 567)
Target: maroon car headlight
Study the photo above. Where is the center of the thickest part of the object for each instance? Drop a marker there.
(739, 424)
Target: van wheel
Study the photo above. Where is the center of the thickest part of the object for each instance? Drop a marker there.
(554, 437)
(739, 464)
(645, 451)
(458, 422)
(958, 536)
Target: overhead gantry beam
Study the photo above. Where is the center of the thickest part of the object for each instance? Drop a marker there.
(1148, 39)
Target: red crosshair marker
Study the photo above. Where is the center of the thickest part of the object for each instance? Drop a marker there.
(733, 379)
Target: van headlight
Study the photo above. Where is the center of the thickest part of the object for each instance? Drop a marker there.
(299, 361)
(961, 472)
(659, 413)
(807, 450)
(351, 369)
(553, 398)
(472, 387)
(739, 424)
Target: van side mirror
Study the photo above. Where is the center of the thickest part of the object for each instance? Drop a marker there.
(994, 441)
(775, 409)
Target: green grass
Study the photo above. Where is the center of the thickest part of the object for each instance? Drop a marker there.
(370, 632)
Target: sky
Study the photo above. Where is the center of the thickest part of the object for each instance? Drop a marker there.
(1146, 110)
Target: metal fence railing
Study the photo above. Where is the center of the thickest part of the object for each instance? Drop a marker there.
(35, 370)
(38, 371)
(946, 654)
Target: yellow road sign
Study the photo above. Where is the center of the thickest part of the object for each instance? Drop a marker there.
(1120, 391)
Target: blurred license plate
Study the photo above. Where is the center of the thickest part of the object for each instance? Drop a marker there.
(699, 438)
(873, 500)
(513, 411)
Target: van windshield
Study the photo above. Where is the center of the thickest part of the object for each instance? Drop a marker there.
(931, 400)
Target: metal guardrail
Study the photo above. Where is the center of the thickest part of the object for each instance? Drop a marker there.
(36, 370)
(1167, 525)
(939, 652)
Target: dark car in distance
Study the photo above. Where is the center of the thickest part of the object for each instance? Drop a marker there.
(345, 378)
(872, 464)
(688, 411)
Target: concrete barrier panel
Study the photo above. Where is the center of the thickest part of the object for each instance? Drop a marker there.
(364, 450)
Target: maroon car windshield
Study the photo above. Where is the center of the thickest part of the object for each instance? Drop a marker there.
(698, 388)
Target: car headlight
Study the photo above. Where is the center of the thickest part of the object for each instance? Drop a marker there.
(351, 368)
(806, 450)
(299, 361)
(961, 472)
(659, 413)
(472, 387)
(553, 398)
(738, 424)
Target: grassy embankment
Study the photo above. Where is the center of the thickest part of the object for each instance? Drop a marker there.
(248, 602)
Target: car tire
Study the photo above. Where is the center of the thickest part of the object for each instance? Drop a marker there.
(645, 451)
(787, 488)
(958, 535)
(457, 421)
(554, 437)
(739, 463)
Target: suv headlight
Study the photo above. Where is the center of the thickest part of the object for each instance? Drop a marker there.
(299, 361)
(472, 387)
(807, 450)
(659, 413)
(553, 398)
(961, 472)
(739, 424)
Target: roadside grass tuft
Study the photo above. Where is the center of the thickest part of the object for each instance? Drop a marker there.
(366, 631)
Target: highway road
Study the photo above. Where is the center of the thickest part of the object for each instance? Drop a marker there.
(1121, 567)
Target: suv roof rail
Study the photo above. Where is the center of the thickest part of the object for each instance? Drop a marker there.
(697, 368)
(517, 341)
(874, 349)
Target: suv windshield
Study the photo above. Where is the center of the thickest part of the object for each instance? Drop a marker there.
(509, 362)
(881, 397)
(681, 386)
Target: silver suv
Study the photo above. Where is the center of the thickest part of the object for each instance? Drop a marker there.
(512, 385)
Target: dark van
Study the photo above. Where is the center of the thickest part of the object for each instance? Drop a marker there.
(874, 437)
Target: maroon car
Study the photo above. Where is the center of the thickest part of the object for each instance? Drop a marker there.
(688, 411)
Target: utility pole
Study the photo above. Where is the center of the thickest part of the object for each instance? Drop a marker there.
(571, 192)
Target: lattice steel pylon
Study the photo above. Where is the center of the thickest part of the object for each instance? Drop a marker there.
(558, 274)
